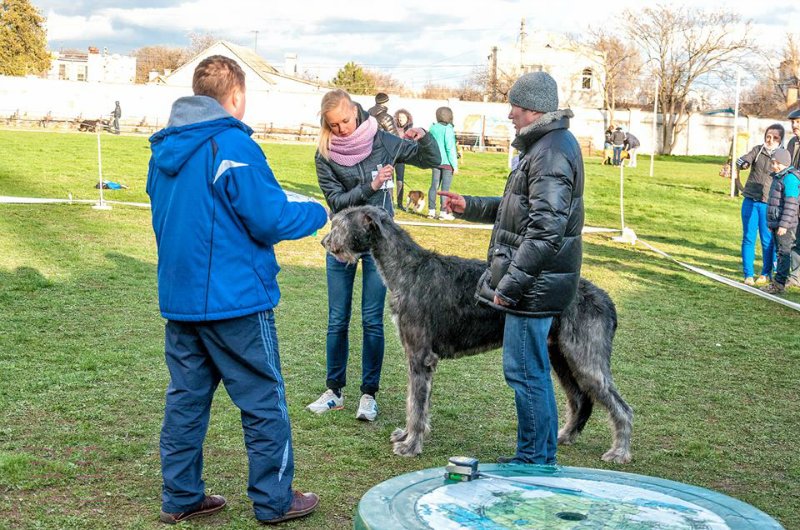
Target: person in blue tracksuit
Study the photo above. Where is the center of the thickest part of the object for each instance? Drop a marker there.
(217, 213)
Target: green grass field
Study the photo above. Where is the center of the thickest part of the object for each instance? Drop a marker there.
(711, 371)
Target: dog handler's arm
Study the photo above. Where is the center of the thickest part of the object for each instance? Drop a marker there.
(423, 153)
(453, 202)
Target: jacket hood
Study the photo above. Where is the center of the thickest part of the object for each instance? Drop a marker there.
(558, 119)
(192, 121)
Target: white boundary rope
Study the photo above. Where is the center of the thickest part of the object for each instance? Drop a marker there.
(722, 279)
(586, 230)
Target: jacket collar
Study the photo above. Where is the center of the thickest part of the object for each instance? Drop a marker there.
(558, 119)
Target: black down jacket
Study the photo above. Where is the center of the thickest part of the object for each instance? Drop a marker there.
(535, 250)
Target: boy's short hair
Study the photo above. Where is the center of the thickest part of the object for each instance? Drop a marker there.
(216, 76)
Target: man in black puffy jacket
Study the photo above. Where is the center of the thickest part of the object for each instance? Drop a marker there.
(381, 113)
(534, 253)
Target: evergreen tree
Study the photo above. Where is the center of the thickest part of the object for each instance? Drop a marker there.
(23, 40)
(354, 79)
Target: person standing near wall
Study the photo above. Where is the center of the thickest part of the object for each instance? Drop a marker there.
(381, 113)
(402, 122)
(631, 145)
(442, 176)
(116, 114)
(618, 144)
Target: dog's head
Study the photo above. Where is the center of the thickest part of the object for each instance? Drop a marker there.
(354, 231)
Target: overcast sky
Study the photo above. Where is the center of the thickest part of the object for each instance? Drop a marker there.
(417, 41)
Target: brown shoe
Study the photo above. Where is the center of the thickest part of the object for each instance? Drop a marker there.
(210, 505)
(302, 504)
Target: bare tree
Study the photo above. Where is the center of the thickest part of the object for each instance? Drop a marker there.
(157, 58)
(681, 47)
(499, 84)
(199, 42)
(384, 82)
(621, 68)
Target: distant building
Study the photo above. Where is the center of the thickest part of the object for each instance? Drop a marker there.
(93, 67)
(577, 69)
(260, 75)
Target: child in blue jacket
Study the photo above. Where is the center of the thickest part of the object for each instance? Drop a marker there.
(217, 214)
(782, 208)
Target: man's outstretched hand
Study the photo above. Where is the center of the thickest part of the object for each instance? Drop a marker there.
(453, 202)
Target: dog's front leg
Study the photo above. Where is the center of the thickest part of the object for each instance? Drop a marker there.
(408, 441)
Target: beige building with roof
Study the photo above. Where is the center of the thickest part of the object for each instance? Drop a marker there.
(260, 75)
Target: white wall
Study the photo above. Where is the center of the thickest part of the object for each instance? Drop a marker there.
(34, 98)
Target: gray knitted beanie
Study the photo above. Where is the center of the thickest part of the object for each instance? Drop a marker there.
(782, 157)
(535, 91)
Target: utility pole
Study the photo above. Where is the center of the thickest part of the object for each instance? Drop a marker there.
(493, 80)
(255, 44)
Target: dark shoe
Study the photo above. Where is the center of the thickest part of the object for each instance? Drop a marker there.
(774, 288)
(302, 504)
(507, 460)
(210, 505)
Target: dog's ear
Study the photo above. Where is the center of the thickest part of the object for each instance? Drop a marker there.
(373, 220)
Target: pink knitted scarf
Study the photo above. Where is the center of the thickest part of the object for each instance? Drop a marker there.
(350, 150)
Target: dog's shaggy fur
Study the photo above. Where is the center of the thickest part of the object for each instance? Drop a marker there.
(447, 322)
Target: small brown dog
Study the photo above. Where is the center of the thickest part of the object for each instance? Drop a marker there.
(416, 199)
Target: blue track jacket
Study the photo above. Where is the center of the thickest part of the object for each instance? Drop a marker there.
(217, 212)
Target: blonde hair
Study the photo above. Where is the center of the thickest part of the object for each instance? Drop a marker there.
(330, 101)
(216, 76)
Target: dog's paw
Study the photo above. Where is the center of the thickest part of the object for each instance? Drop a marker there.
(567, 437)
(408, 447)
(398, 435)
(617, 456)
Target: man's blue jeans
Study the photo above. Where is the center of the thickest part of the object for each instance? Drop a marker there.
(754, 219)
(341, 277)
(618, 154)
(243, 353)
(526, 366)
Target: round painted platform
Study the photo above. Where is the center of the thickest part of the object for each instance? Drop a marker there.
(552, 498)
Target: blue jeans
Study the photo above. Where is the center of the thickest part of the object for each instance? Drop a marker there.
(340, 300)
(618, 155)
(754, 218)
(439, 178)
(526, 366)
(243, 353)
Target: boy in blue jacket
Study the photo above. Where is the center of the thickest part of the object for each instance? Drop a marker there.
(782, 208)
(217, 213)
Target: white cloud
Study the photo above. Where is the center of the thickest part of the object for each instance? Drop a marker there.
(72, 28)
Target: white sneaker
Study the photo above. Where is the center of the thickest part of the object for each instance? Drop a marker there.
(446, 216)
(431, 214)
(327, 401)
(367, 408)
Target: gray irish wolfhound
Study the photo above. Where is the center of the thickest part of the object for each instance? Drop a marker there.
(437, 316)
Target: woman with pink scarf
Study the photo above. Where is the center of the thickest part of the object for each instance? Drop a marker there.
(355, 160)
